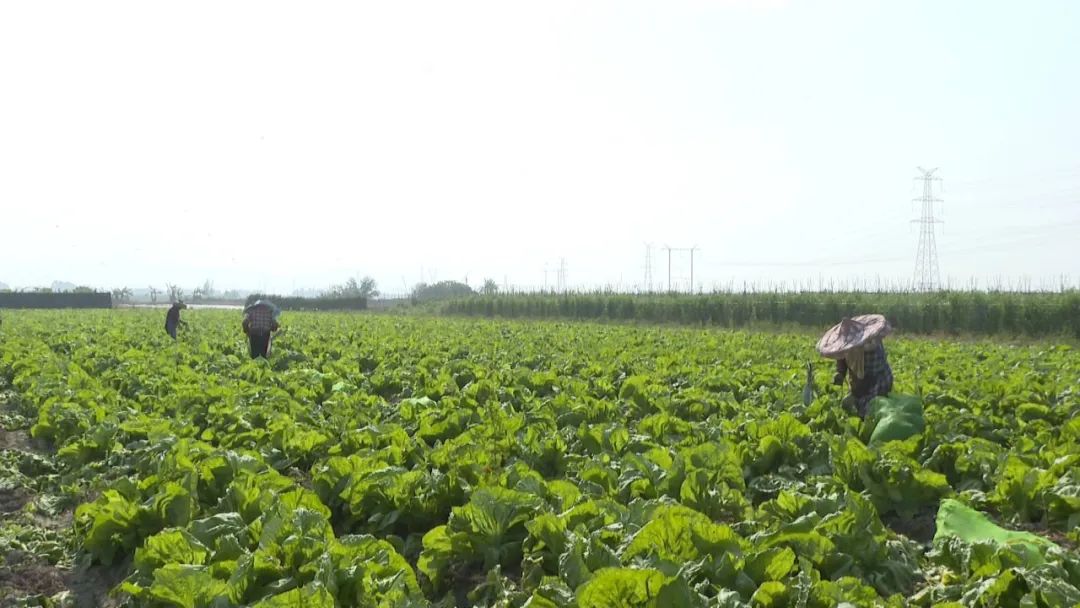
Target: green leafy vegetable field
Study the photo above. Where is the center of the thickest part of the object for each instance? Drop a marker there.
(385, 461)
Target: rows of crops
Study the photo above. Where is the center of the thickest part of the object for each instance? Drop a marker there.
(381, 461)
(1031, 314)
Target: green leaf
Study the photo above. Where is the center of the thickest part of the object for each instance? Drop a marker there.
(770, 565)
(572, 565)
(810, 545)
(772, 594)
(717, 458)
(490, 529)
(172, 505)
(437, 555)
(185, 586)
(370, 570)
(170, 546)
(678, 534)
(548, 532)
(677, 592)
(310, 596)
(621, 588)
(705, 492)
(844, 590)
(112, 523)
(211, 529)
(551, 593)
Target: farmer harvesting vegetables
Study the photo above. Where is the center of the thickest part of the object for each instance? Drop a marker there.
(260, 320)
(172, 319)
(856, 346)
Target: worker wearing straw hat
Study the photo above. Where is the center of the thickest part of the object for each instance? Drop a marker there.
(260, 320)
(856, 346)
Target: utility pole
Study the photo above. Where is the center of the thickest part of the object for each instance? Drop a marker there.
(561, 280)
(692, 250)
(927, 276)
(648, 268)
(689, 249)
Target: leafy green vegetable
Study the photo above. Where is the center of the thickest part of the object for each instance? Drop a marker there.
(409, 461)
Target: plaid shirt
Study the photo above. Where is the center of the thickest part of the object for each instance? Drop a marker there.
(877, 377)
(261, 320)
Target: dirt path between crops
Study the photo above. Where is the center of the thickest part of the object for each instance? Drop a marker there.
(23, 574)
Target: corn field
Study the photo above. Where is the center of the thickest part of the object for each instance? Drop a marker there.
(961, 312)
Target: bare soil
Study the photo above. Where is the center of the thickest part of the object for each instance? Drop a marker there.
(61, 521)
(12, 500)
(90, 587)
(920, 528)
(1055, 536)
(24, 574)
(16, 440)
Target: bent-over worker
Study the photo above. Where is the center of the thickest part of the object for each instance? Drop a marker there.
(172, 318)
(260, 321)
(856, 346)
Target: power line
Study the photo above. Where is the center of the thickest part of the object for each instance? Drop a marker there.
(1044, 233)
(1030, 241)
(927, 274)
(1023, 179)
(840, 261)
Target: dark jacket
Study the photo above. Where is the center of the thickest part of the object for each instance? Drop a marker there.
(172, 318)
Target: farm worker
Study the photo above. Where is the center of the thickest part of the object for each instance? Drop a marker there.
(172, 319)
(260, 320)
(856, 346)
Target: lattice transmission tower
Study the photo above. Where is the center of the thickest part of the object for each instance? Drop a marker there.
(927, 274)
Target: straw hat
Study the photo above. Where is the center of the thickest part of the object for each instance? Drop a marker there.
(852, 333)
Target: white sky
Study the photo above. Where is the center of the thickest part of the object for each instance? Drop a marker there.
(272, 145)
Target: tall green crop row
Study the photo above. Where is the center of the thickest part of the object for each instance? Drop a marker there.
(1031, 314)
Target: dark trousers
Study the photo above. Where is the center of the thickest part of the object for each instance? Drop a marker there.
(170, 328)
(260, 344)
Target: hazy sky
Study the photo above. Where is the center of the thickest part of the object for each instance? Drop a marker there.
(272, 145)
